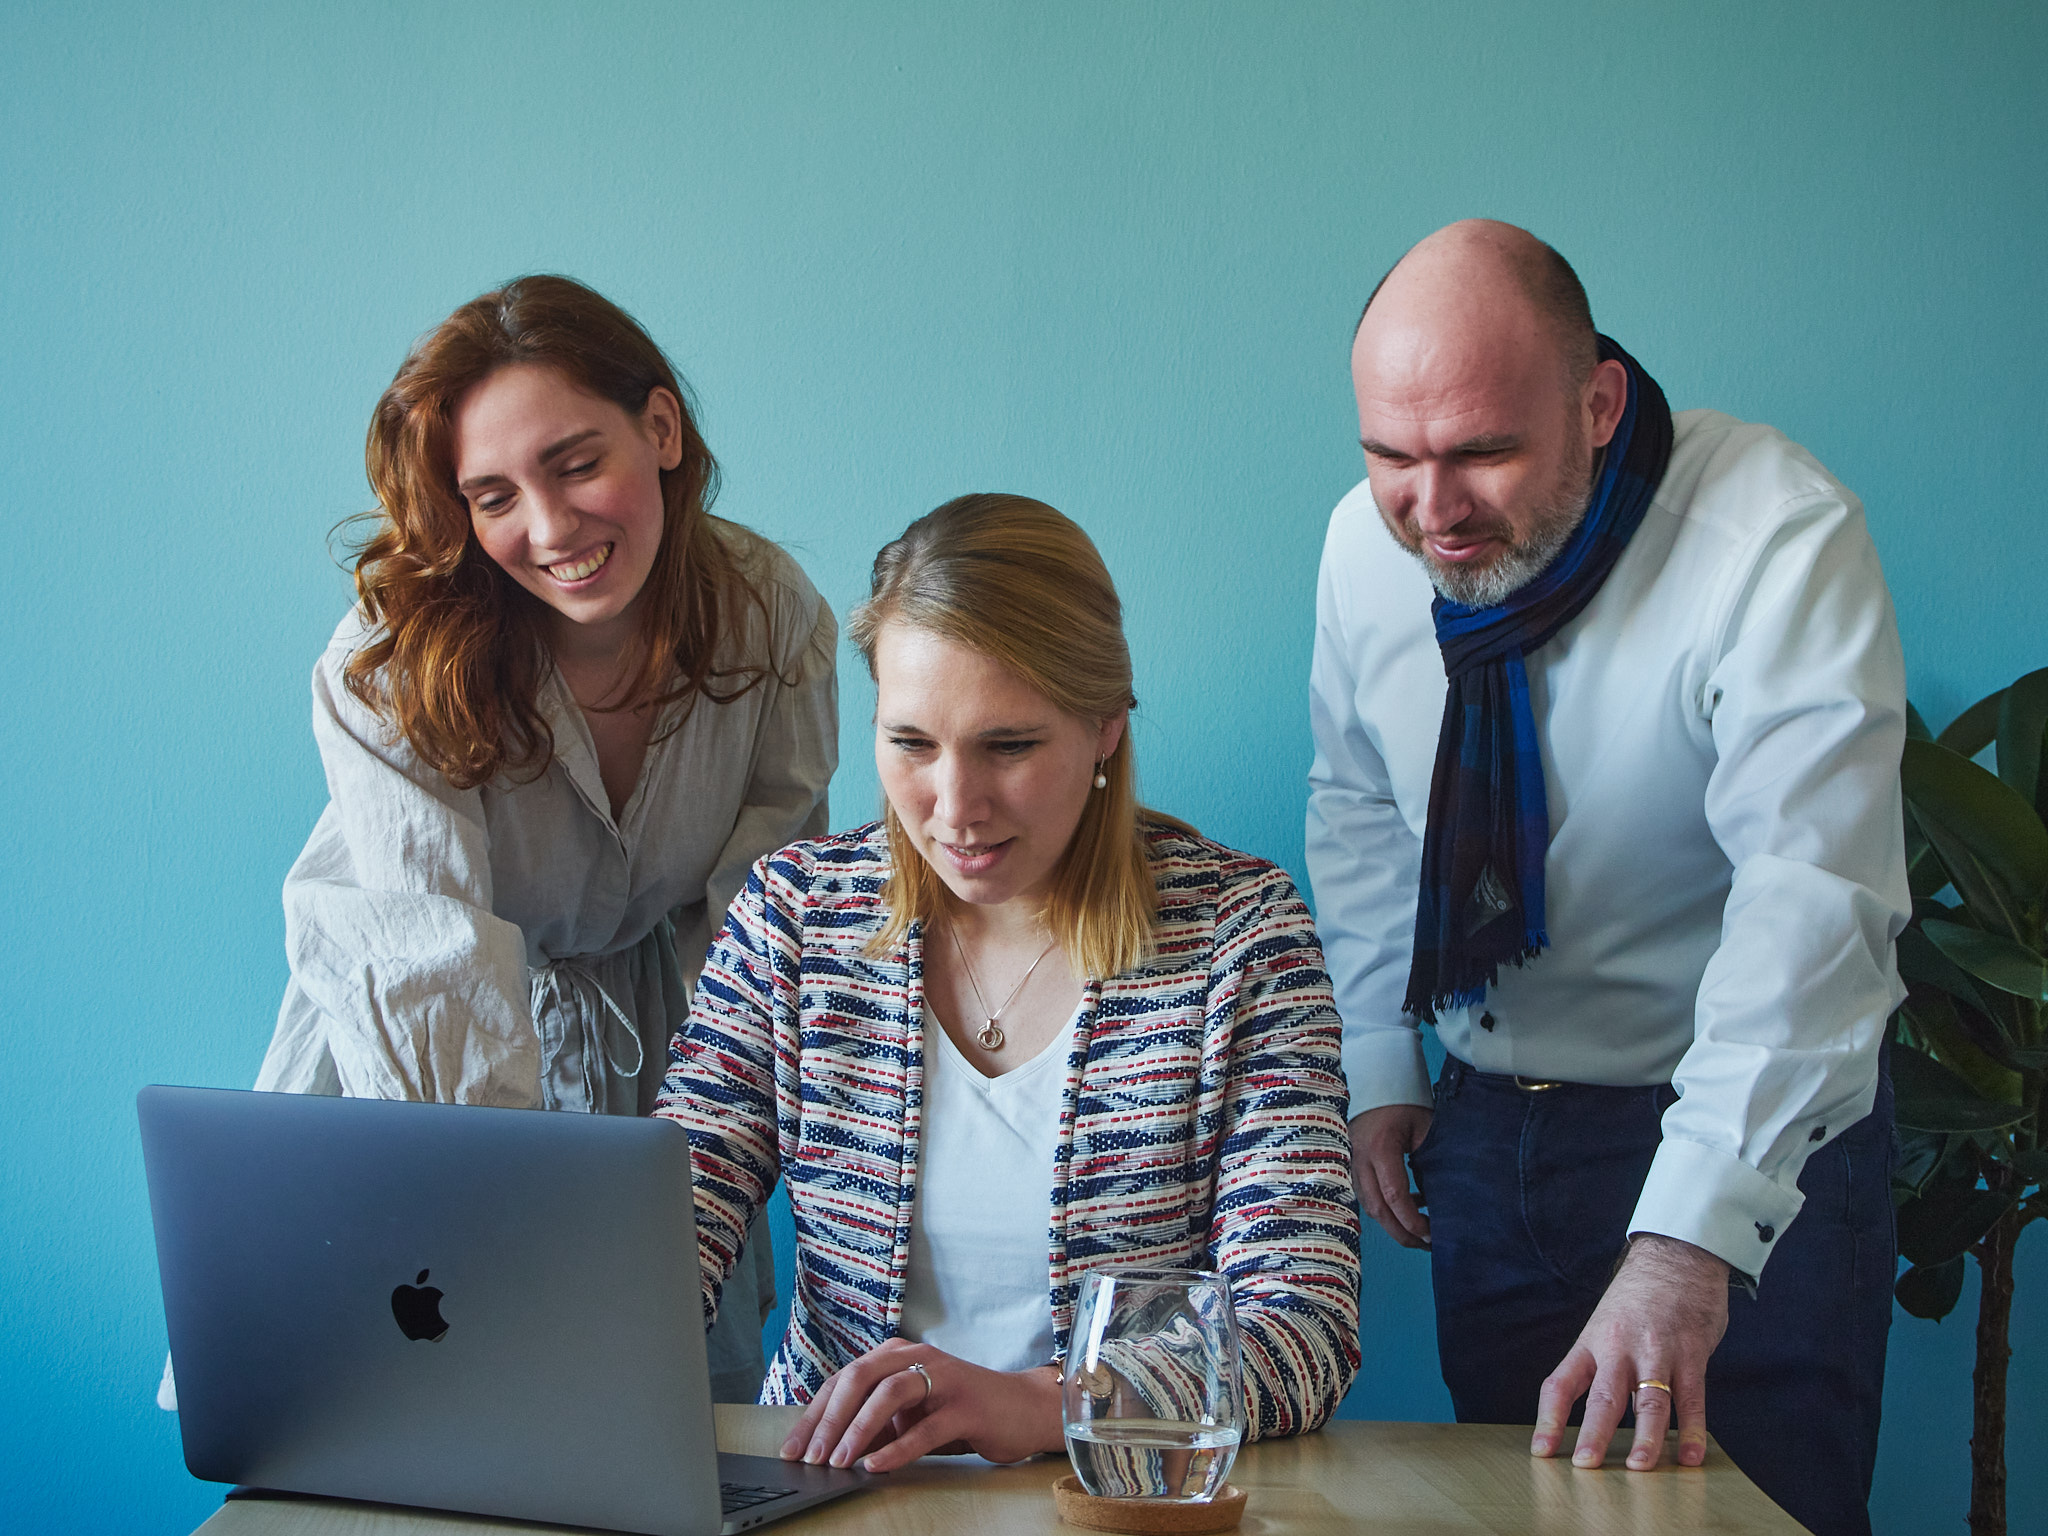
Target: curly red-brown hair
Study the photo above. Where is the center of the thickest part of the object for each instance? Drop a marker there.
(458, 650)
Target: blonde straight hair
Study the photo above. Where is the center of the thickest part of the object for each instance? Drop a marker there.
(1022, 584)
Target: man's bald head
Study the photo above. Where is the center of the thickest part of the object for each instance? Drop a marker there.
(1486, 269)
(1482, 403)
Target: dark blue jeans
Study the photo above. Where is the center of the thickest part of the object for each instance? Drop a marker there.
(1529, 1195)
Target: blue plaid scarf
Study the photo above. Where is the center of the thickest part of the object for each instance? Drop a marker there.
(1480, 905)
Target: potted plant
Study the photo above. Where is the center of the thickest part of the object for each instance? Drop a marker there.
(1969, 1057)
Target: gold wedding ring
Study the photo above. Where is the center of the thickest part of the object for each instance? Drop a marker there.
(926, 1377)
(1661, 1386)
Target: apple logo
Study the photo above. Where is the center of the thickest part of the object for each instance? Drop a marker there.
(418, 1310)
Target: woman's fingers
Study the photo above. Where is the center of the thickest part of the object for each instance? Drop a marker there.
(800, 1432)
(901, 1392)
(934, 1432)
(840, 1398)
(901, 1401)
(807, 1421)
(828, 1414)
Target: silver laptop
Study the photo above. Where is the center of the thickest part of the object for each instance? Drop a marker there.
(488, 1310)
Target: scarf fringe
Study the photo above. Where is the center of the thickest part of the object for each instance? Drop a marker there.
(1533, 944)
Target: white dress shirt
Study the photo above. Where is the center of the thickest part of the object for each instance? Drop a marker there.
(1721, 730)
(980, 1245)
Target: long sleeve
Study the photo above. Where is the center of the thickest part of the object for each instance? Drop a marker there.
(1202, 1122)
(1284, 1226)
(1807, 710)
(1364, 859)
(796, 751)
(402, 978)
(720, 1084)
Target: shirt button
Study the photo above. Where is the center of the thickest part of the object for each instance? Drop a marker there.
(1765, 1232)
(1820, 1133)
(1486, 1021)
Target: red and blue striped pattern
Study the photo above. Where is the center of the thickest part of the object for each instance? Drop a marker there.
(1202, 1119)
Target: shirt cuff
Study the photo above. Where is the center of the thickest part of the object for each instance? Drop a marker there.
(1385, 1066)
(1715, 1202)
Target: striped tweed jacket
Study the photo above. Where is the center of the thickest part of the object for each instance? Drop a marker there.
(1202, 1119)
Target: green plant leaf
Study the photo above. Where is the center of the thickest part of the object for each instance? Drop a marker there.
(1932, 1098)
(1966, 1153)
(2032, 1165)
(1916, 724)
(1941, 911)
(1990, 840)
(1931, 1292)
(2022, 714)
(1922, 963)
(1926, 876)
(1975, 728)
(1991, 958)
(1924, 873)
(1920, 1153)
(2033, 1059)
(2041, 780)
(1941, 1223)
(1964, 1041)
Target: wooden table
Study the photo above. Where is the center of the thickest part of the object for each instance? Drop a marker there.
(1396, 1479)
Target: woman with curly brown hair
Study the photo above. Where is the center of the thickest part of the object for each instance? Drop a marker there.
(568, 711)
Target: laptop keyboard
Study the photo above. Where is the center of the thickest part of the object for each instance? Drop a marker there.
(734, 1497)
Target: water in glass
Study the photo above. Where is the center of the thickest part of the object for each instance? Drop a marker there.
(1151, 1395)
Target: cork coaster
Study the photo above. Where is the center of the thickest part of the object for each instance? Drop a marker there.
(1147, 1517)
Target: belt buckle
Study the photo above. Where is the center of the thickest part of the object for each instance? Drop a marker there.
(1535, 1084)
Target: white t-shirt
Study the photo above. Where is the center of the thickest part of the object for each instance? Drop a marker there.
(978, 1284)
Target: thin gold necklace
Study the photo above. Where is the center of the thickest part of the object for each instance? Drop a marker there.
(990, 1036)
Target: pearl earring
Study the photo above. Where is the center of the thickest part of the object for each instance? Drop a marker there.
(1101, 778)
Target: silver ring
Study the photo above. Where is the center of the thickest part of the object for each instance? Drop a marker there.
(927, 1377)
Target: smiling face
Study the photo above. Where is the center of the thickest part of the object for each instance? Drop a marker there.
(564, 492)
(986, 775)
(1481, 484)
(1480, 465)
(1478, 440)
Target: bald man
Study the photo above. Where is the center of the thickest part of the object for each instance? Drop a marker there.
(1608, 708)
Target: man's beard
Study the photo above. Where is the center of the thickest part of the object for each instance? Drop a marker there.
(1520, 561)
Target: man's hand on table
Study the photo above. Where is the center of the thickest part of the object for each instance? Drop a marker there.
(1663, 1313)
(1381, 1140)
(879, 1409)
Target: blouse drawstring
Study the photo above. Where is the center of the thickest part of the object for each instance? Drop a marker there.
(554, 984)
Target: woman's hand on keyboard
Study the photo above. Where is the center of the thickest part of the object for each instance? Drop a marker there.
(900, 1401)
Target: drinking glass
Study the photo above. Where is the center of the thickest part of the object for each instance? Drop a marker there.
(1150, 1395)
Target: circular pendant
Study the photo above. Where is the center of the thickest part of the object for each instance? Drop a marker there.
(991, 1036)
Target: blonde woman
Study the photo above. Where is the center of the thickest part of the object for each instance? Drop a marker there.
(1019, 1028)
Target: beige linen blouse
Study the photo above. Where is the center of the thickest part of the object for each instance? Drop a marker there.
(514, 944)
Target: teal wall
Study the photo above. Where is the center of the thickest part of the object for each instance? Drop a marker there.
(1104, 254)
